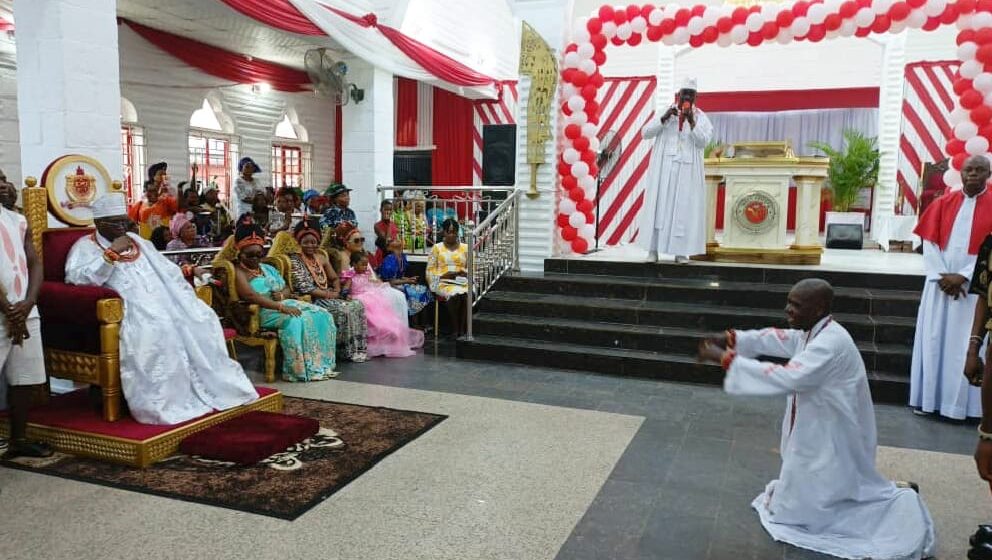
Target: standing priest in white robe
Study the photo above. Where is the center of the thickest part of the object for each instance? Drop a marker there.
(828, 497)
(174, 362)
(673, 217)
(952, 229)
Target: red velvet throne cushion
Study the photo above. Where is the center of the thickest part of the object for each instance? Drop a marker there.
(249, 438)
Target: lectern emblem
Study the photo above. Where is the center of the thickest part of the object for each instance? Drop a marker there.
(756, 212)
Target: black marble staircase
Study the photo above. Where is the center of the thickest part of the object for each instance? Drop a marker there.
(645, 320)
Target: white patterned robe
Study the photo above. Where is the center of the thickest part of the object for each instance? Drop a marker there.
(174, 362)
(828, 497)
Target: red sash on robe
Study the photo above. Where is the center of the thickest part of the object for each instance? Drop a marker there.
(938, 220)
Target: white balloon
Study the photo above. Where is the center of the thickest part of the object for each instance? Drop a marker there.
(668, 40)
(680, 36)
(800, 27)
(572, 60)
(576, 103)
(579, 117)
(609, 29)
(967, 50)
(655, 17)
(864, 17)
(587, 182)
(738, 34)
(881, 6)
(755, 21)
(958, 115)
(589, 130)
(586, 50)
(976, 146)
(983, 82)
(710, 16)
(639, 24)
(970, 69)
(594, 144)
(570, 155)
(784, 36)
(588, 66)
(833, 6)
(847, 28)
(816, 14)
(695, 26)
(934, 8)
(981, 20)
(918, 19)
(964, 21)
(581, 33)
(566, 206)
(624, 31)
(987, 100)
(576, 219)
(724, 40)
(897, 26)
(832, 34)
(671, 8)
(952, 178)
(587, 231)
(580, 169)
(568, 90)
(965, 130)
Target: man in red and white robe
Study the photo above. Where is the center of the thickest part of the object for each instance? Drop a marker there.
(952, 230)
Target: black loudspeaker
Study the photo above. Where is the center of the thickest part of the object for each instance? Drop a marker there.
(499, 154)
(845, 236)
(412, 168)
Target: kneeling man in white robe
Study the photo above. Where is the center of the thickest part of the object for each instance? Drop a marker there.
(828, 497)
(673, 216)
(174, 362)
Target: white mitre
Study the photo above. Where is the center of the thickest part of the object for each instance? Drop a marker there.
(689, 83)
(110, 204)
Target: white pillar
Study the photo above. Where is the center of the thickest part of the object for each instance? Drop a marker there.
(367, 138)
(68, 83)
(890, 98)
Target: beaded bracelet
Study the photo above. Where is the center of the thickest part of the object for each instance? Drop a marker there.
(984, 435)
(975, 339)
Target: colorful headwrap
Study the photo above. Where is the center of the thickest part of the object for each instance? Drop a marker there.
(245, 161)
(248, 233)
(307, 226)
(343, 231)
(310, 194)
(177, 224)
(290, 191)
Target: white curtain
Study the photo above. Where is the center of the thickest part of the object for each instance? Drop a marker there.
(798, 127)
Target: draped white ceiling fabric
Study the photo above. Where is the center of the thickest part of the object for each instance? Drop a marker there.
(369, 44)
(798, 127)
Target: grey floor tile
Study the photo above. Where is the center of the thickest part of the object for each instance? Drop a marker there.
(676, 535)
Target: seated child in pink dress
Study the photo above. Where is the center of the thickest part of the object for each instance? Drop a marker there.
(389, 335)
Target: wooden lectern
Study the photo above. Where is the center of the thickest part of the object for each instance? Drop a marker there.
(756, 205)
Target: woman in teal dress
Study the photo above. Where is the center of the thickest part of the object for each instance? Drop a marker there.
(306, 332)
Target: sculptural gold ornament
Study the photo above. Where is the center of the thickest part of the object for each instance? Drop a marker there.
(537, 60)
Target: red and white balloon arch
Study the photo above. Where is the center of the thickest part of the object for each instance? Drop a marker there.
(725, 25)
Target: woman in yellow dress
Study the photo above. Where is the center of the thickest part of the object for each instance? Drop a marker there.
(447, 268)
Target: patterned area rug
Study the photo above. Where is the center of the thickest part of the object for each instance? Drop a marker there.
(352, 439)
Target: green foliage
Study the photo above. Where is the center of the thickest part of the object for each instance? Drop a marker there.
(851, 170)
(712, 146)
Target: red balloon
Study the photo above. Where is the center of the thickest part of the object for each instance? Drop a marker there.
(572, 48)
(881, 24)
(667, 26)
(580, 245)
(606, 13)
(699, 10)
(931, 24)
(588, 156)
(863, 4)
(620, 17)
(696, 41)
(568, 74)
(849, 8)
(966, 6)
(573, 131)
(594, 25)
(581, 143)
(799, 8)
(635, 39)
(682, 17)
(654, 35)
(961, 85)
(580, 78)
(588, 92)
(646, 10)
(971, 99)
(566, 109)
(710, 35)
(562, 221)
(983, 36)
(633, 11)
(983, 5)
(754, 9)
(585, 206)
(957, 162)
(866, 31)
(592, 108)
(568, 233)
(832, 22)
(597, 80)
(598, 41)
(816, 33)
(899, 11)
(984, 53)
(576, 194)
(965, 35)
(599, 57)
(783, 19)
(739, 15)
(950, 14)
(954, 147)
(981, 115)
(916, 3)
(590, 219)
(564, 169)
(617, 41)
(569, 182)
(984, 131)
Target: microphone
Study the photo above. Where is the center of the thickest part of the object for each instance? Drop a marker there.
(685, 106)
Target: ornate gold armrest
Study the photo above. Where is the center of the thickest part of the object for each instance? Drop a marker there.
(205, 294)
(110, 310)
(255, 319)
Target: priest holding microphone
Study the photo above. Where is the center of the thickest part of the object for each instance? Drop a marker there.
(673, 217)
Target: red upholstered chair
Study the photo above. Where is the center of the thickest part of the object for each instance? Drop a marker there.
(80, 324)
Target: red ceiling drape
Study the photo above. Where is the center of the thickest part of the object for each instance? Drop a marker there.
(452, 162)
(406, 112)
(280, 14)
(221, 63)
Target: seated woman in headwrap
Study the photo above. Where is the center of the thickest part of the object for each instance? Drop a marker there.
(183, 233)
(306, 332)
(313, 275)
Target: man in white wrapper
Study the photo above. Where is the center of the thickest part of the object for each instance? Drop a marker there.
(174, 362)
(952, 229)
(673, 217)
(829, 497)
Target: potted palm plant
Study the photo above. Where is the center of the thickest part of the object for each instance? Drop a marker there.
(851, 171)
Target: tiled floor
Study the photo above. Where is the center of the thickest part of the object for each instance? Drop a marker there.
(649, 470)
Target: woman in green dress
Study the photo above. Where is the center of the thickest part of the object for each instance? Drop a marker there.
(306, 332)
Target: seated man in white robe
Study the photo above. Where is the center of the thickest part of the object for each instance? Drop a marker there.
(828, 497)
(174, 362)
